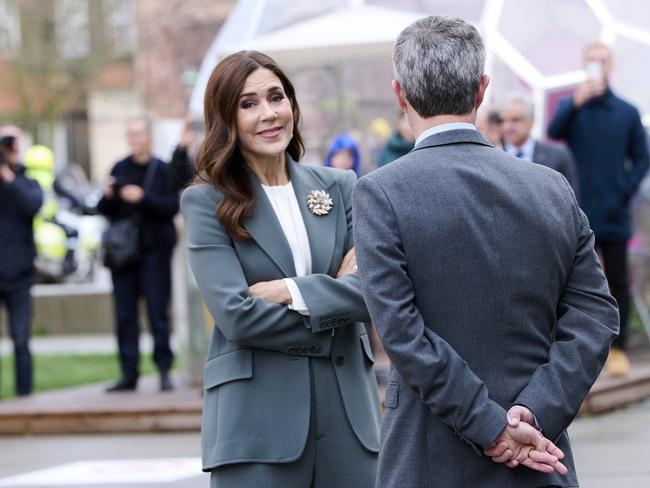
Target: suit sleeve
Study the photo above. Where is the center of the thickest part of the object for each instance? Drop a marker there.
(242, 319)
(561, 123)
(637, 152)
(587, 322)
(335, 302)
(425, 361)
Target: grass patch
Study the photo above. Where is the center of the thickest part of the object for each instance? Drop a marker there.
(61, 371)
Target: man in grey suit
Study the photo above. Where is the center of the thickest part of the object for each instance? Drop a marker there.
(518, 115)
(480, 275)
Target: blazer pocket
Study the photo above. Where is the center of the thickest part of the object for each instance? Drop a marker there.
(231, 366)
(367, 349)
(391, 396)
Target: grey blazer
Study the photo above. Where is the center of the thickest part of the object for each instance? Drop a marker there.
(480, 275)
(257, 382)
(558, 158)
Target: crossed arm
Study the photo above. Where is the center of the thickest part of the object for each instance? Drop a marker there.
(255, 316)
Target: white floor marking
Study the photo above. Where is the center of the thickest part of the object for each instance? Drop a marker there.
(109, 471)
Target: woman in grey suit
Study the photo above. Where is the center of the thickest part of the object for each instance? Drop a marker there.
(290, 394)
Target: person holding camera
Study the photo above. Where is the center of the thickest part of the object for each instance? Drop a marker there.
(20, 200)
(610, 148)
(139, 190)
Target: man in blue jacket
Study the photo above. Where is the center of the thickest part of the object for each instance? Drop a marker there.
(20, 200)
(609, 145)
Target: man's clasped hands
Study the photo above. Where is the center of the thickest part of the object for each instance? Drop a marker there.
(521, 443)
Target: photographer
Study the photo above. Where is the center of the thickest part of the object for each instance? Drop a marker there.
(20, 200)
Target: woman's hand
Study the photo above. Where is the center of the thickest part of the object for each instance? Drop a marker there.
(275, 291)
(348, 264)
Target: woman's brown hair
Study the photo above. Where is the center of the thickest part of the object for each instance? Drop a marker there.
(220, 161)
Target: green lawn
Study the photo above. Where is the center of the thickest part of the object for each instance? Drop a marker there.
(61, 371)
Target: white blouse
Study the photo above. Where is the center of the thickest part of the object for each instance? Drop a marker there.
(285, 204)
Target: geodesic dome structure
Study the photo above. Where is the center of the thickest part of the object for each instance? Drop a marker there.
(535, 45)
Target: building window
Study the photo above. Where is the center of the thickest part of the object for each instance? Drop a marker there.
(119, 25)
(72, 29)
(9, 29)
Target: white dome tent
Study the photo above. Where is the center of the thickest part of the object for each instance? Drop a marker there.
(535, 45)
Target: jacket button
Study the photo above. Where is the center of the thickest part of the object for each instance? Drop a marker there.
(339, 360)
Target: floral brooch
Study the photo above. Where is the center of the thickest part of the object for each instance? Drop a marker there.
(319, 202)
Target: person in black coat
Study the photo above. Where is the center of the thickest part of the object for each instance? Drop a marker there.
(20, 200)
(124, 194)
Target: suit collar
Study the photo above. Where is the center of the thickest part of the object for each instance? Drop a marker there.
(456, 136)
(266, 230)
(539, 155)
(442, 128)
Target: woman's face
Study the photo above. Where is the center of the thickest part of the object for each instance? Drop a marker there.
(343, 159)
(264, 116)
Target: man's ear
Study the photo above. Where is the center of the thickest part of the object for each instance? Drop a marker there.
(482, 86)
(399, 95)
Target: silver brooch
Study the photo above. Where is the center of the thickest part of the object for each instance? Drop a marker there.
(319, 202)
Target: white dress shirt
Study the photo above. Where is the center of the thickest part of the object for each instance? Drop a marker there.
(524, 152)
(285, 204)
(442, 128)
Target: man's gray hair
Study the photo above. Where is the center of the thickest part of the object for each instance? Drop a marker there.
(438, 62)
(522, 98)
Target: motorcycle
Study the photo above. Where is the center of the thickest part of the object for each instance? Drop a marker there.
(68, 241)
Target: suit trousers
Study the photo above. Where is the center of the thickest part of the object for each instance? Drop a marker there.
(333, 456)
(18, 300)
(614, 256)
(151, 278)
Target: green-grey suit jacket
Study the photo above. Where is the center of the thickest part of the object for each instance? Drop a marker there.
(257, 384)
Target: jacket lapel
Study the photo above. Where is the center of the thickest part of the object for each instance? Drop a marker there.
(539, 155)
(321, 229)
(267, 232)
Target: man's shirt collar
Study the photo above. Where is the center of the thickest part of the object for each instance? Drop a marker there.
(442, 128)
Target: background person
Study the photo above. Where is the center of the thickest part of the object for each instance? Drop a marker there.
(517, 118)
(343, 153)
(20, 200)
(150, 277)
(490, 124)
(610, 148)
(399, 144)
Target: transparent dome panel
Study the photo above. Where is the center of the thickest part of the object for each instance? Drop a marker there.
(634, 12)
(550, 34)
(630, 76)
(277, 14)
(466, 9)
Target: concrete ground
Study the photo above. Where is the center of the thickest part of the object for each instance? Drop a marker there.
(610, 451)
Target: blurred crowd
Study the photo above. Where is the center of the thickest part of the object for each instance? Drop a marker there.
(598, 144)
